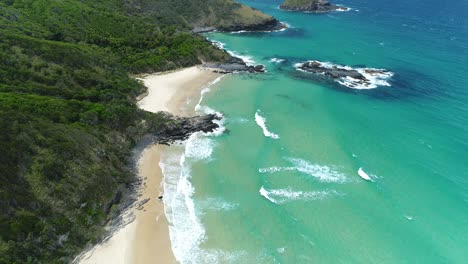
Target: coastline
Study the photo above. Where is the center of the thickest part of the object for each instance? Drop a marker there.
(145, 237)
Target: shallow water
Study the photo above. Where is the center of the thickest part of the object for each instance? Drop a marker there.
(311, 171)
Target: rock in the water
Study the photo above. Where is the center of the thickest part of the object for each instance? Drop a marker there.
(356, 78)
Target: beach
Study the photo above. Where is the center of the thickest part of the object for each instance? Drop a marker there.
(176, 92)
(145, 237)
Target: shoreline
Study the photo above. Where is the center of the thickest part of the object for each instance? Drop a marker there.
(144, 235)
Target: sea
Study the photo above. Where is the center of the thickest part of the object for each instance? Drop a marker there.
(305, 169)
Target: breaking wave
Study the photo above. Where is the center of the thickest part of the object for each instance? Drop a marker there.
(261, 122)
(186, 231)
(320, 172)
(281, 196)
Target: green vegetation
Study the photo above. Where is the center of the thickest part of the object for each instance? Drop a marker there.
(312, 4)
(68, 118)
(298, 3)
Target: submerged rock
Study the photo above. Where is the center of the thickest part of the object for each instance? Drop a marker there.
(317, 6)
(356, 78)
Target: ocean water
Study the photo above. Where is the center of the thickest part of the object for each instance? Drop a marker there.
(311, 171)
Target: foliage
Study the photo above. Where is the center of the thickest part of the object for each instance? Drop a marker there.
(68, 118)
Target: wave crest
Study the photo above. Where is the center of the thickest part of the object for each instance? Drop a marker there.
(322, 173)
(281, 196)
(261, 122)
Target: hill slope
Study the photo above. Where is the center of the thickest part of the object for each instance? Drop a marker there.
(68, 118)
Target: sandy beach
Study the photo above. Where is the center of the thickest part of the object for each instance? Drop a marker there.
(146, 238)
(176, 92)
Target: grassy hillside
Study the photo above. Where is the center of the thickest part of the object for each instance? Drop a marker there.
(68, 118)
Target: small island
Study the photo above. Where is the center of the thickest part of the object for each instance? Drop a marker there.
(315, 6)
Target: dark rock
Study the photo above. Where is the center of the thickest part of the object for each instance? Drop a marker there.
(363, 78)
(267, 25)
(180, 128)
(235, 64)
(139, 205)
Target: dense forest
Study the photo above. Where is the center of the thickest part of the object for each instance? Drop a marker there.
(68, 118)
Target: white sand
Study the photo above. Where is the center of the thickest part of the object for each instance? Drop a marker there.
(115, 250)
(172, 91)
(146, 239)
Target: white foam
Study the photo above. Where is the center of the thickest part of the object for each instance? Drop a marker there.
(261, 122)
(281, 196)
(322, 173)
(186, 231)
(343, 8)
(199, 146)
(247, 59)
(276, 169)
(218, 44)
(276, 60)
(281, 250)
(205, 90)
(265, 194)
(364, 175)
(409, 217)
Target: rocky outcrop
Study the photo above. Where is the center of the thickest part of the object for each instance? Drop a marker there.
(267, 25)
(316, 6)
(180, 128)
(234, 64)
(356, 78)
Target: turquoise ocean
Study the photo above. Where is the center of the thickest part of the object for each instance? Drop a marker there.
(285, 182)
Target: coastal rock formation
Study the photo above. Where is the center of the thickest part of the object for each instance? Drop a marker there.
(316, 6)
(356, 78)
(234, 64)
(270, 24)
(267, 25)
(180, 128)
